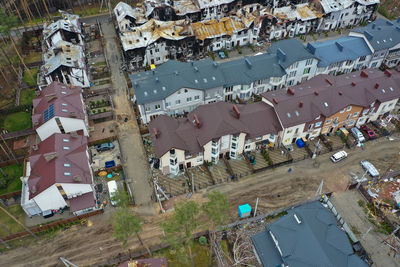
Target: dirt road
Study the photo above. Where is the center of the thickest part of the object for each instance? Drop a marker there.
(133, 154)
(275, 188)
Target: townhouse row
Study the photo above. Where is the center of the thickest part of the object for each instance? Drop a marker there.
(321, 105)
(152, 33)
(176, 88)
(58, 173)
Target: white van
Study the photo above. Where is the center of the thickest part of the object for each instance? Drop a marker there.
(112, 188)
(339, 156)
(357, 134)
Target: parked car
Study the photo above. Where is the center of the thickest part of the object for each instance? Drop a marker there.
(104, 147)
(47, 214)
(357, 134)
(369, 168)
(112, 189)
(364, 127)
(338, 156)
(221, 54)
(371, 134)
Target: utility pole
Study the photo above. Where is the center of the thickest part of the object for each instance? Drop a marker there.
(315, 149)
(67, 263)
(319, 190)
(255, 209)
(15, 219)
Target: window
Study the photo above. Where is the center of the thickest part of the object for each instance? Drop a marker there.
(67, 165)
(199, 159)
(272, 136)
(374, 65)
(228, 89)
(318, 124)
(349, 62)
(348, 116)
(177, 102)
(328, 122)
(197, 97)
(304, 79)
(234, 138)
(157, 58)
(342, 110)
(214, 143)
(156, 50)
(67, 173)
(233, 154)
(292, 74)
(167, 104)
(336, 120)
(233, 146)
(309, 61)
(247, 147)
(365, 111)
(189, 99)
(306, 71)
(291, 82)
(310, 126)
(348, 108)
(156, 107)
(214, 150)
(147, 108)
(362, 59)
(258, 138)
(297, 130)
(173, 161)
(351, 123)
(355, 114)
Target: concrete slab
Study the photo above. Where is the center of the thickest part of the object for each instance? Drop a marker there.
(99, 158)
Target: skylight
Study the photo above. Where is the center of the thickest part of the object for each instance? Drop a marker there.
(325, 104)
(64, 104)
(67, 173)
(67, 165)
(155, 91)
(48, 113)
(66, 147)
(163, 88)
(145, 93)
(383, 91)
(196, 81)
(289, 116)
(64, 110)
(213, 78)
(297, 113)
(63, 92)
(205, 80)
(391, 89)
(66, 140)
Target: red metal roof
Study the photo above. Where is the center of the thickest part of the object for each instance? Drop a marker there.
(82, 202)
(58, 155)
(67, 102)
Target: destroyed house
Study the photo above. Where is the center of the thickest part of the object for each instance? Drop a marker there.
(58, 175)
(308, 235)
(59, 109)
(65, 62)
(66, 29)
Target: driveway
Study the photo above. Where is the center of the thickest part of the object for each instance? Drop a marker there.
(133, 159)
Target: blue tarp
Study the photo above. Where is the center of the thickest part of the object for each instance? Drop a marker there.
(299, 143)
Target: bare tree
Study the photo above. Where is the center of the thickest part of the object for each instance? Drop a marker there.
(243, 254)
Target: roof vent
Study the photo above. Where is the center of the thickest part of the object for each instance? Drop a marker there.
(388, 73)
(77, 179)
(275, 100)
(339, 46)
(364, 74)
(340, 93)
(368, 35)
(311, 48)
(50, 156)
(196, 121)
(192, 63)
(157, 80)
(290, 91)
(373, 25)
(176, 73)
(237, 112)
(135, 84)
(297, 218)
(300, 104)
(379, 28)
(248, 63)
(316, 93)
(398, 28)
(196, 69)
(74, 134)
(329, 81)
(215, 64)
(35, 147)
(155, 132)
(388, 22)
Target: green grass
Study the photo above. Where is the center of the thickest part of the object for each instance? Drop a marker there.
(201, 256)
(17, 121)
(26, 96)
(27, 79)
(16, 211)
(385, 13)
(11, 178)
(33, 57)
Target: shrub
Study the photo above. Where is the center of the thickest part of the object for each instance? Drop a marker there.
(99, 111)
(212, 55)
(203, 240)
(104, 110)
(252, 48)
(225, 52)
(93, 111)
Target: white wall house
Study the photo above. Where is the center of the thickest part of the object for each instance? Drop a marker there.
(59, 109)
(66, 29)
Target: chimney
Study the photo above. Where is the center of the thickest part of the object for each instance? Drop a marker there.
(364, 74)
(388, 73)
(340, 93)
(329, 81)
(290, 91)
(35, 147)
(275, 100)
(376, 86)
(155, 132)
(373, 25)
(315, 92)
(235, 108)
(300, 104)
(353, 83)
(196, 121)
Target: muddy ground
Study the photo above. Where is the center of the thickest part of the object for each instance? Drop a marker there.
(86, 246)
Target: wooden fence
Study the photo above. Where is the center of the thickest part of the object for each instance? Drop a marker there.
(10, 195)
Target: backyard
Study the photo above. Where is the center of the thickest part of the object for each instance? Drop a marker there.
(17, 121)
(27, 78)
(26, 96)
(9, 223)
(9, 178)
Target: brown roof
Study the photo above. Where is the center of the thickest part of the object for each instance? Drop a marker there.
(82, 202)
(47, 162)
(153, 262)
(325, 95)
(67, 101)
(215, 120)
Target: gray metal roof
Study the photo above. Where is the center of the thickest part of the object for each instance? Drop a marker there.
(289, 51)
(205, 74)
(316, 240)
(381, 34)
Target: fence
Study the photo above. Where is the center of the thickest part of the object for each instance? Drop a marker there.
(10, 195)
(42, 228)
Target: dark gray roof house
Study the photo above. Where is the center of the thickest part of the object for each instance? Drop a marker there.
(215, 120)
(381, 34)
(308, 235)
(289, 51)
(205, 74)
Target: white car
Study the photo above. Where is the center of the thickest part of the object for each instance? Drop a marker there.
(369, 168)
(338, 156)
